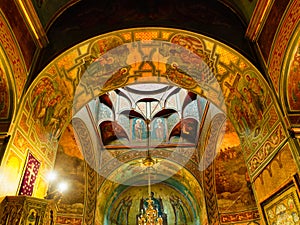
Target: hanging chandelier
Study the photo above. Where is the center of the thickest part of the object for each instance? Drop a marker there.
(151, 213)
(150, 216)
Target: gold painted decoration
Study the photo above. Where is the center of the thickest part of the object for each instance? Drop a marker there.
(179, 77)
(13, 54)
(283, 207)
(275, 138)
(110, 61)
(288, 25)
(4, 95)
(293, 82)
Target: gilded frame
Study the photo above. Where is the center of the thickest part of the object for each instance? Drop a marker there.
(283, 206)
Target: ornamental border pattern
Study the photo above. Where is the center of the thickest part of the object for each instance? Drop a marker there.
(284, 33)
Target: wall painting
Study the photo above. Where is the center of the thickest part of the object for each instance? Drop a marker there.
(234, 190)
(283, 207)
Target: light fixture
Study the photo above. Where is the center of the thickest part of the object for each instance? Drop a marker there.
(150, 216)
(61, 187)
(52, 176)
(151, 212)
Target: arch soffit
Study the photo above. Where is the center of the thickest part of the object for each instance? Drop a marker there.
(183, 181)
(229, 69)
(227, 65)
(289, 76)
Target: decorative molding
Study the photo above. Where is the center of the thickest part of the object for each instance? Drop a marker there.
(33, 22)
(256, 162)
(284, 200)
(281, 41)
(91, 195)
(258, 17)
(14, 68)
(239, 217)
(209, 181)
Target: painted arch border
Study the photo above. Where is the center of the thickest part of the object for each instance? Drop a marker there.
(67, 66)
(292, 48)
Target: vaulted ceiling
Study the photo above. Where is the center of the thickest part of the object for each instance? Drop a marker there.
(90, 37)
(76, 21)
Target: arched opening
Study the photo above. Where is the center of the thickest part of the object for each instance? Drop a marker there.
(186, 60)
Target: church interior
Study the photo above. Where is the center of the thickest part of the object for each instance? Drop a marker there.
(149, 112)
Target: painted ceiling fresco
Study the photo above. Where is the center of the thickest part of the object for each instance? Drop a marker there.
(84, 72)
(202, 73)
(232, 181)
(172, 121)
(151, 55)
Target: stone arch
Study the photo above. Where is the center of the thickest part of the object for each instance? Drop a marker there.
(222, 64)
(209, 172)
(289, 90)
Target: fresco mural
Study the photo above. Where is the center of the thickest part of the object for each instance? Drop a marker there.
(159, 131)
(174, 207)
(70, 168)
(46, 114)
(233, 186)
(49, 108)
(139, 130)
(246, 105)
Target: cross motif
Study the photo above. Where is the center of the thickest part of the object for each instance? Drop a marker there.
(31, 173)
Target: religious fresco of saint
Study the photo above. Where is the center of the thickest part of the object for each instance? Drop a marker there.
(49, 110)
(159, 131)
(139, 130)
(247, 105)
